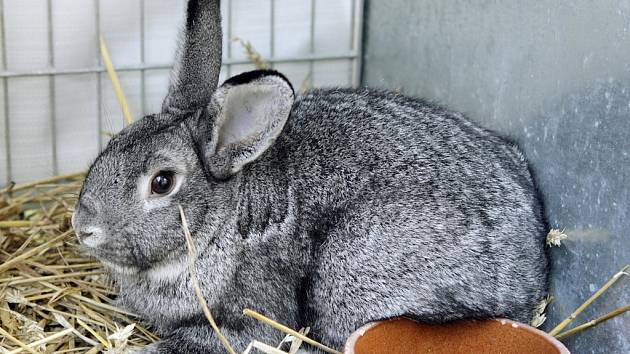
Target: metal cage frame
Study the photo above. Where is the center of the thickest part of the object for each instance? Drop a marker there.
(353, 55)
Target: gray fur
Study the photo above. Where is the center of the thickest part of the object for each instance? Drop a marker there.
(367, 205)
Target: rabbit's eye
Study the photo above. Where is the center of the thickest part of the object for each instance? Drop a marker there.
(163, 182)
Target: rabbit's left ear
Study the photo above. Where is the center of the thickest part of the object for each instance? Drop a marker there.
(195, 76)
(252, 110)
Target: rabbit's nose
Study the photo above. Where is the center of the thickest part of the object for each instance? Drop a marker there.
(82, 235)
(90, 236)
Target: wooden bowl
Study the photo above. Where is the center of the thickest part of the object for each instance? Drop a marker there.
(404, 336)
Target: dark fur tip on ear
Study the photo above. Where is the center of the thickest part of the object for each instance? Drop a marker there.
(192, 13)
(250, 76)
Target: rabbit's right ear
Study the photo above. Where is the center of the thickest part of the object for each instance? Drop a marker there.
(251, 110)
(196, 72)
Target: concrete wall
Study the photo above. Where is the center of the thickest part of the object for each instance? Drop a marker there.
(555, 76)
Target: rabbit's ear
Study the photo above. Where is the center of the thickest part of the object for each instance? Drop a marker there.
(195, 76)
(252, 110)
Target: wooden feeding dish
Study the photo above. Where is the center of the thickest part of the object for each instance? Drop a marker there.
(404, 336)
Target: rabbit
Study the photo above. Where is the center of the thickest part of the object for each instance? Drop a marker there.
(329, 209)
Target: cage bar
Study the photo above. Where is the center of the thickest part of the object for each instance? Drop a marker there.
(311, 64)
(272, 29)
(229, 39)
(51, 89)
(357, 41)
(99, 83)
(140, 67)
(5, 87)
(143, 94)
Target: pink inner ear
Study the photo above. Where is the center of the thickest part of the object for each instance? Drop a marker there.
(252, 116)
(247, 113)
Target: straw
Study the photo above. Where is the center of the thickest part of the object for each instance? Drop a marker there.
(590, 300)
(594, 322)
(16, 341)
(44, 341)
(287, 330)
(54, 179)
(192, 255)
(120, 95)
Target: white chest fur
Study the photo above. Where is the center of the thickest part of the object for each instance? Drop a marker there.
(168, 271)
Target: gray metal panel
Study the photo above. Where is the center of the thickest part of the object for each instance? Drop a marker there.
(555, 76)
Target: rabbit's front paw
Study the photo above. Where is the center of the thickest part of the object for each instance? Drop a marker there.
(149, 349)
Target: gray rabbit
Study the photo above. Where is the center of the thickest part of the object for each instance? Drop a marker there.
(330, 209)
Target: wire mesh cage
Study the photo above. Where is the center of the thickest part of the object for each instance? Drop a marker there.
(57, 108)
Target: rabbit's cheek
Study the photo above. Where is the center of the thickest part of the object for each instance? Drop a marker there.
(155, 203)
